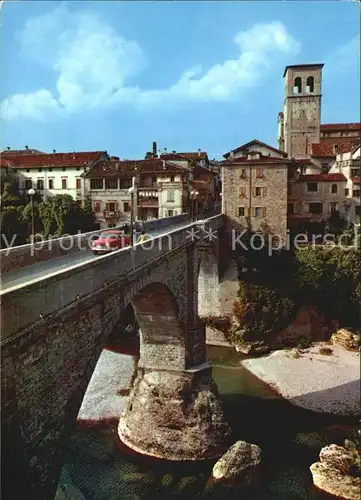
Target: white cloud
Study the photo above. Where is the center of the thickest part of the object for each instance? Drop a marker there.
(94, 66)
(344, 57)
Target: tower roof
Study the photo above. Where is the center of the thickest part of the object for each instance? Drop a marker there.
(303, 66)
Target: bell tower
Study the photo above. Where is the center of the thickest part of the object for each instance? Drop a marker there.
(299, 124)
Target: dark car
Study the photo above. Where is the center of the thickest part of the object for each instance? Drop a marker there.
(109, 241)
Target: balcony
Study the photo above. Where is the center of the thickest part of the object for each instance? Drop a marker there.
(146, 187)
(147, 202)
(107, 214)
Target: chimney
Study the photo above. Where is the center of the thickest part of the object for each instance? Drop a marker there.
(231, 155)
(154, 151)
(164, 165)
(199, 152)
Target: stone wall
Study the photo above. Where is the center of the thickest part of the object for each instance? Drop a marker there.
(273, 197)
(26, 255)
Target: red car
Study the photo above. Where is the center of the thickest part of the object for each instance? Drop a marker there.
(110, 240)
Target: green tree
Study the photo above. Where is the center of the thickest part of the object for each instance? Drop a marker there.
(9, 197)
(13, 228)
(336, 223)
(62, 205)
(47, 217)
(27, 216)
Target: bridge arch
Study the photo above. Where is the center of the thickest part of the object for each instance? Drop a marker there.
(162, 333)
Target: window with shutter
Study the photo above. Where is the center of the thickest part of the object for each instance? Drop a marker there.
(264, 212)
(264, 191)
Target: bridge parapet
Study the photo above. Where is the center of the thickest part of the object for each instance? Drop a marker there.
(29, 254)
(24, 304)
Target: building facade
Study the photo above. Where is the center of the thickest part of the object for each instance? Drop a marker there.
(52, 174)
(161, 190)
(349, 165)
(313, 197)
(254, 188)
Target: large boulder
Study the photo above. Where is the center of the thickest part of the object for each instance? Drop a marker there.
(347, 339)
(241, 463)
(336, 457)
(331, 473)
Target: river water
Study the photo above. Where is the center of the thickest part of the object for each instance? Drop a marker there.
(98, 467)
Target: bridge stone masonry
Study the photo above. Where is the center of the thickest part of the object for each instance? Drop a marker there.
(53, 331)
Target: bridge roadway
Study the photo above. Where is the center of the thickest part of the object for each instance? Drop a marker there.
(24, 275)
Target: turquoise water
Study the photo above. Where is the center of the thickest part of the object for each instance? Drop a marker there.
(99, 467)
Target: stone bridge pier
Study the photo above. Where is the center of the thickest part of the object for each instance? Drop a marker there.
(173, 411)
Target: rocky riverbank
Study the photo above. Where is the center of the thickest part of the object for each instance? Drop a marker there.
(326, 383)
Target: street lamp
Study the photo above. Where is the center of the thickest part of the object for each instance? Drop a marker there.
(131, 191)
(194, 194)
(31, 193)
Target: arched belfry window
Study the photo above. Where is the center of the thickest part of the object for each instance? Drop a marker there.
(297, 86)
(310, 87)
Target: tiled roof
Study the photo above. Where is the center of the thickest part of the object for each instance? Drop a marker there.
(254, 141)
(328, 127)
(253, 161)
(356, 180)
(6, 163)
(325, 148)
(202, 155)
(128, 168)
(53, 160)
(316, 65)
(322, 178)
(16, 152)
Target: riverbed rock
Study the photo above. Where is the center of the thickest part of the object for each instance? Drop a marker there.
(331, 473)
(311, 440)
(337, 457)
(252, 348)
(175, 415)
(347, 339)
(241, 463)
(309, 325)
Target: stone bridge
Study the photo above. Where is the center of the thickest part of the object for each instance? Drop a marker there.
(53, 332)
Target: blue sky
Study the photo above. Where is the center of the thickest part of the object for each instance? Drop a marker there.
(116, 76)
